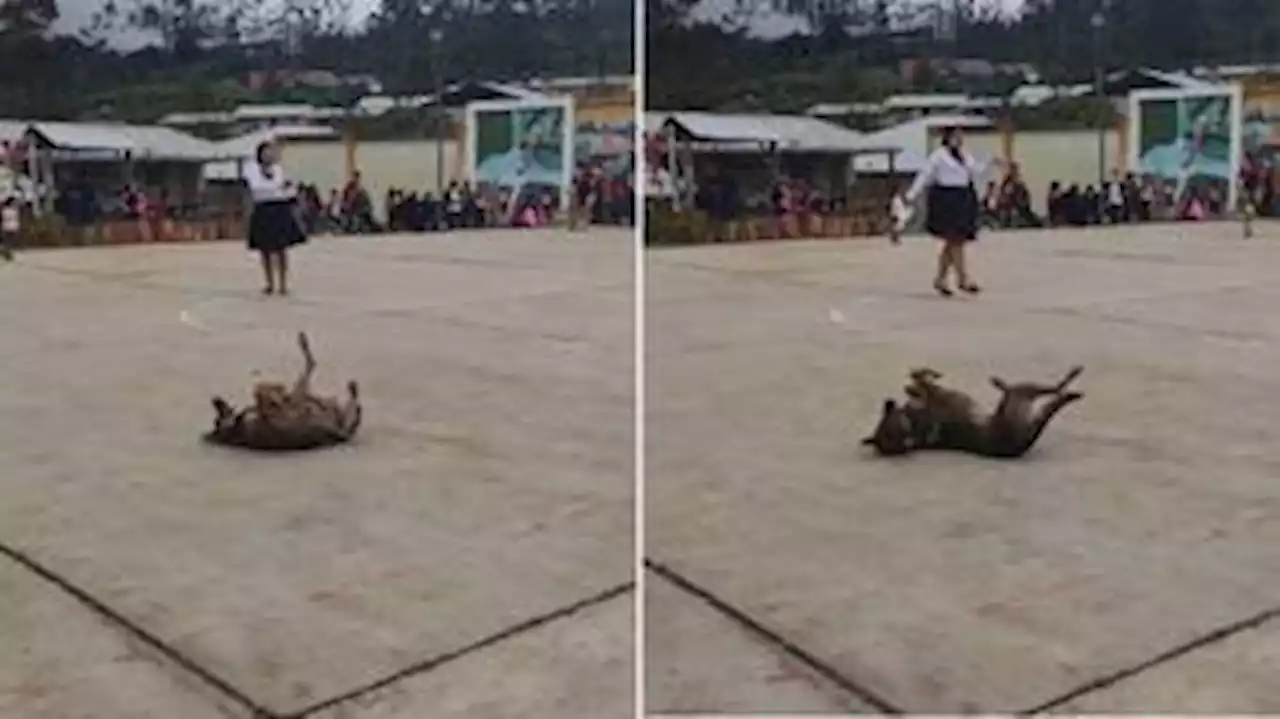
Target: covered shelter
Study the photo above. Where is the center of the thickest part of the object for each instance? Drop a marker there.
(758, 149)
(102, 159)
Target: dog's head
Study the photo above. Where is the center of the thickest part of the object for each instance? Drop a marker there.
(894, 434)
(226, 423)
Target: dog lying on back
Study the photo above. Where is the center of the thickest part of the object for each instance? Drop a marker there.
(284, 419)
(938, 417)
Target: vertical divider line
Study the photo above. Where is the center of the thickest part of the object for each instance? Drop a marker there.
(638, 346)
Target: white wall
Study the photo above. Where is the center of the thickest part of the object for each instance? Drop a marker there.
(1069, 156)
(408, 165)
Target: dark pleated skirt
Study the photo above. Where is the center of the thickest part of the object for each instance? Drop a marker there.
(274, 227)
(952, 213)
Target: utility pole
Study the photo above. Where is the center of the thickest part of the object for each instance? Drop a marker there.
(1099, 23)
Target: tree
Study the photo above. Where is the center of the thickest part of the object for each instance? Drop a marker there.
(27, 17)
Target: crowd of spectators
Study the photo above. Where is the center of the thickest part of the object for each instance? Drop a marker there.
(600, 199)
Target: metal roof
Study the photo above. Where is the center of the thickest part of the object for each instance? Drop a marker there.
(141, 141)
(13, 130)
(926, 101)
(790, 132)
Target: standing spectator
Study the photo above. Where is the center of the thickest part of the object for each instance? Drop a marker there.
(783, 205)
(1132, 198)
(471, 209)
(1146, 201)
(141, 211)
(357, 206)
(584, 199)
(1114, 199)
(10, 227)
(333, 210)
(454, 206)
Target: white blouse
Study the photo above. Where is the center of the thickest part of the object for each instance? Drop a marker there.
(267, 189)
(943, 170)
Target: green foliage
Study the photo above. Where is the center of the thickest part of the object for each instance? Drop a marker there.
(705, 67)
(1084, 113)
(26, 17)
(208, 47)
(151, 101)
(400, 124)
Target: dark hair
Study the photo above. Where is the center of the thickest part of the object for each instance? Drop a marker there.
(262, 150)
(949, 133)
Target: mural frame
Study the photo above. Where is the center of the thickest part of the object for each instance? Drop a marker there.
(1234, 92)
(565, 104)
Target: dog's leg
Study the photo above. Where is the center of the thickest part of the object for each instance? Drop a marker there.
(302, 388)
(1070, 377)
(223, 408)
(1046, 415)
(1032, 390)
(351, 413)
(924, 375)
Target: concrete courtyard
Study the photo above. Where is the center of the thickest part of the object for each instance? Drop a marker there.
(1128, 564)
(470, 555)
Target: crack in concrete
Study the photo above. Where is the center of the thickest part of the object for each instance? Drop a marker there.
(788, 647)
(437, 661)
(850, 685)
(258, 710)
(1109, 680)
(114, 617)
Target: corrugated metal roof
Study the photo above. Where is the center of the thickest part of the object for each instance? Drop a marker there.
(13, 130)
(142, 141)
(1179, 79)
(653, 121)
(837, 109)
(925, 100)
(516, 91)
(79, 136)
(197, 118)
(267, 112)
(796, 132)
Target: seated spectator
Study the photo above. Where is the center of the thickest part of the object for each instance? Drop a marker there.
(1053, 204)
(1092, 205)
(1195, 208)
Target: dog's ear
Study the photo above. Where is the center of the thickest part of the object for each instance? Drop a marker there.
(890, 406)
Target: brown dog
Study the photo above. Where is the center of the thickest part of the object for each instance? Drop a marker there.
(937, 417)
(283, 419)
